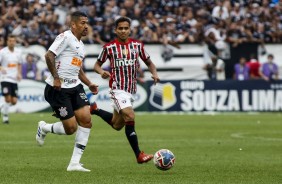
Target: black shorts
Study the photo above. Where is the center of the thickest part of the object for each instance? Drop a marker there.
(65, 101)
(9, 88)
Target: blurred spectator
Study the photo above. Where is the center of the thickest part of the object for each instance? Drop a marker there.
(215, 37)
(269, 70)
(234, 35)
(220, 11)
(217, 22)
(241, 70)
(254, 66)
(215, 70)
(29, 68)
(44, 74)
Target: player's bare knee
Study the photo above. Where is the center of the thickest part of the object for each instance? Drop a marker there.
(87, 124)
(118, 127)
(70, 130)
(129, 117)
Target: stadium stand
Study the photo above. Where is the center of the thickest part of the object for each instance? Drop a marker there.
(221, 24)
(186, 21)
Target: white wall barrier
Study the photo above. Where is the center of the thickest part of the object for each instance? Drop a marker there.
(31, 97)
(189, 58)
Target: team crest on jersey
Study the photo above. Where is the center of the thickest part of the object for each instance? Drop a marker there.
(63, 111)
(133, 51)
(83, 96)
(125, 52)
(163, 96)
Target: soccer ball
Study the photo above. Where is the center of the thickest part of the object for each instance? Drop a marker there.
(164, 159)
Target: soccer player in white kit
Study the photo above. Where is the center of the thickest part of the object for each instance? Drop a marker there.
(11, 73)
(64, 90)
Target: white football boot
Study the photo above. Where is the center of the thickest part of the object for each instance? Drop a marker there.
(77, 167)
(40, 135)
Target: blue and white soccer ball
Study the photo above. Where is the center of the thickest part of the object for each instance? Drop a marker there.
(164, 159)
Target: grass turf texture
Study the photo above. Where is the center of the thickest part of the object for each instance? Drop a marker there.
(209, 149)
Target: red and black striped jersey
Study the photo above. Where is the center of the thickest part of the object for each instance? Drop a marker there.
(124, 63)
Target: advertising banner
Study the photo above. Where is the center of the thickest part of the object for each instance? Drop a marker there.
(229, 95)
(31, 97)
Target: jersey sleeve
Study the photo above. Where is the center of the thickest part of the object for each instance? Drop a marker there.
(59, 44)
(103, 55)
(143, 54)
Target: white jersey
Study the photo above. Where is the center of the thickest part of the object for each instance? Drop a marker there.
(9, 62)
(69, 53)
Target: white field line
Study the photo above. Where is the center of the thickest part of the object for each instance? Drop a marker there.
(240, 135)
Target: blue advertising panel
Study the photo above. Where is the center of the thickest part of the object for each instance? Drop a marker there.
(228, 95)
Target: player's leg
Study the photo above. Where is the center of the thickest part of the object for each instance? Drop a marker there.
(5, 108)
(105, 115)
(117, 121)
(63, 109)
(123, 103)
(83, 118)
(7, 92)
(129, 119)
(114, 119)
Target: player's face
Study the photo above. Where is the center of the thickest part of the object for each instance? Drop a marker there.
(11, 42)
(81, 26)
(123, 31)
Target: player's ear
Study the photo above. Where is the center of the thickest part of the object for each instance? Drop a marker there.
(72, 24)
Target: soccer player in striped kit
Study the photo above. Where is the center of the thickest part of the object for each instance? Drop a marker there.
(123, 54)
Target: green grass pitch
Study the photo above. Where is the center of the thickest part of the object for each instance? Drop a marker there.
(209, 149)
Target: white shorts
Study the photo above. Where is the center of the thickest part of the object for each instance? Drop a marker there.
(121, 99)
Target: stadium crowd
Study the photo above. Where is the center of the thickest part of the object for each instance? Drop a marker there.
(170, 22)
(161, 21)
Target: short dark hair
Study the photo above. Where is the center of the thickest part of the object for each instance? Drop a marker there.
(12, 36)
(122, 19)
(270, 55)
(75, 15)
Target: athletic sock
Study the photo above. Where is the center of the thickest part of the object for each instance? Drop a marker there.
(5, 111)
(105, 115)
(132, 137)
(81, 140)
(55, 128)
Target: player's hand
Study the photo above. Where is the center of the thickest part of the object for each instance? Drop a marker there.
(57, 84)
(156, 79)
(94, 88)
(105, 74)
(3, 71)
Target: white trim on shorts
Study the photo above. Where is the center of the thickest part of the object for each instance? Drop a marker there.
(121, 99)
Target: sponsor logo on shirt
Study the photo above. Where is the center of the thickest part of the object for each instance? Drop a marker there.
(11, 65)
(76, 61)
(69, 81)
(124, 62)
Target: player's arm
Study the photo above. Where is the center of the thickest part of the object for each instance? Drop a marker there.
(98, 68)
(50, 61)
(2, 69)
(152, 68)
(93, 87)
(19, 67)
